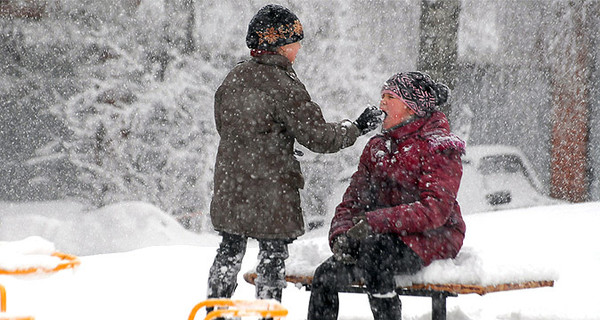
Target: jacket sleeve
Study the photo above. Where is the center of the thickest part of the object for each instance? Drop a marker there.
(438, 187)
(304, 119)
(356, 200)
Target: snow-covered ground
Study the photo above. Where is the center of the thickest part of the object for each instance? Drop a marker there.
(138, 263)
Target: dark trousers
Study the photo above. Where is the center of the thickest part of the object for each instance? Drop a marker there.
(270, 281)
(380, 258)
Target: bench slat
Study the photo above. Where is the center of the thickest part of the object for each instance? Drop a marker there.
(449, 288)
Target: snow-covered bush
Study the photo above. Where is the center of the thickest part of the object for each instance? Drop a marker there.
(126, 112)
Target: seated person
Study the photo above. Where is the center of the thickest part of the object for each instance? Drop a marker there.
(400, 211)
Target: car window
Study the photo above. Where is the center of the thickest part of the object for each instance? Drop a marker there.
(502, 163)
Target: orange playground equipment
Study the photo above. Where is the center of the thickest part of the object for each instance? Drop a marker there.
(3, 315)
(67, 261)
(240, 308)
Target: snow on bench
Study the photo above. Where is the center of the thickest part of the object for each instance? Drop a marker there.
(474, 270)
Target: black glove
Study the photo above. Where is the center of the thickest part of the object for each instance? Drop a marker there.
(360, 231)
(369, 119)
(345, 249)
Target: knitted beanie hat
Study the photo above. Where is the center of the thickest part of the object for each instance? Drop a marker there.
(273, 26)
(418, 90)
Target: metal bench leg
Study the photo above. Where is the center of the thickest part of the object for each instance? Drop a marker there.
(438, 306)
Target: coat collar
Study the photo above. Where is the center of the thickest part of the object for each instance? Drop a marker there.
(437, 121)
(274, 60)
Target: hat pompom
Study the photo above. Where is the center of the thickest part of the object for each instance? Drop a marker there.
(442, 93)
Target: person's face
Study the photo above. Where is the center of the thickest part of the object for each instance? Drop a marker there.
(290, 50)
(396, 111)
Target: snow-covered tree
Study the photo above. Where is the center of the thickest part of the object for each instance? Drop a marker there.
(139, 128)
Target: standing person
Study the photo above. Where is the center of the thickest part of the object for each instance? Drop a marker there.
(261, 109)
(400, 211)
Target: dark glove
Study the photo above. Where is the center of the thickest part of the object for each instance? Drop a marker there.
(344, 249)
(369, 119)
(360, 231)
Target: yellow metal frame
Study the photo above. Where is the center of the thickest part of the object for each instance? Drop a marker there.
(240, 308)
(2, 299)
(3, 307)
(68, 261)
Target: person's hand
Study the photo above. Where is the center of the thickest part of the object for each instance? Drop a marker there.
(344, 250)
(358, 217)
(360, 231)
(370, 119)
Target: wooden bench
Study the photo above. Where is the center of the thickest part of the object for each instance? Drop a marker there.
(437, 292)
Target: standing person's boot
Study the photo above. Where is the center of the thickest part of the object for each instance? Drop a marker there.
(270, 271)
(386, 308)
(222, 278)
(266, 293)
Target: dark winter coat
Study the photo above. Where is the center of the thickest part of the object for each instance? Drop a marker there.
(406, 184)
(260, 110)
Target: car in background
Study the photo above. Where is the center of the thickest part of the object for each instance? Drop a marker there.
(495, 177)
(499, 177)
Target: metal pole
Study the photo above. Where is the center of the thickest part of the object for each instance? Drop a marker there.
(438, 306)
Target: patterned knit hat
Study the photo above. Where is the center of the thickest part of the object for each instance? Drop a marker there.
(273, 26)
(418, 91)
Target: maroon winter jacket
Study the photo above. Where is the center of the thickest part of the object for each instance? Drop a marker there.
(406, 184)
